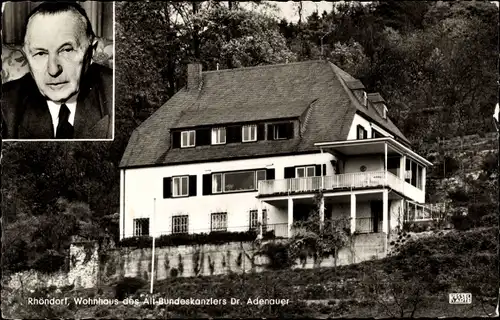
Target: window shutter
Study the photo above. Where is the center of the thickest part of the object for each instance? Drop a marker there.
(289, 172)
(289, 130)
(192, 185)
(176, 139)
(317, 170)
(233, 134)
(324, 169)
(358, 128)
(270, 132)
(203, 137)
(261, 132)
(167, 188)
(207, 184)
(270, 174)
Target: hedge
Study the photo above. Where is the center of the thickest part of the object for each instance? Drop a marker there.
(172, 240)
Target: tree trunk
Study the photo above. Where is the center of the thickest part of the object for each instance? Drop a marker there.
(196, 39)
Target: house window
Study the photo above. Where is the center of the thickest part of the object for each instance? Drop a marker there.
(384, 112)
(361, 132)
(180, 224)
(219, 135)
(303, 172)
(180, 186)
(261, 175)
(249, 133)
(376, 134)
(187, 139)
(219, 221)
(141, 227)
(254, 219)
(237, 181)
(217, 183)
(264, 220)
(365, 97)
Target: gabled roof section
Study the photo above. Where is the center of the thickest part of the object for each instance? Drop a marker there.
(375, 97)
(316, 90)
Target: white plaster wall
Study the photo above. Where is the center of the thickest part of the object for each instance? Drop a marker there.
(142, 185)
(372, 163)
(395, 210)
(359, 120)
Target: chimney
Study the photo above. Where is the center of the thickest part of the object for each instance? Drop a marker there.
(194, 76)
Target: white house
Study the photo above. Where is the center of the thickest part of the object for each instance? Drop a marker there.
(240, 146)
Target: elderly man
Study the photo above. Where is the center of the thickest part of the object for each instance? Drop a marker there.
(65, 95)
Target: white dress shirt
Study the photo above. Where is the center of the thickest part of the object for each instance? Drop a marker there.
(54, 108)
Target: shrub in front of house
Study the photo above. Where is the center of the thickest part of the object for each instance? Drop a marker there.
(128, 286)
(180, 239)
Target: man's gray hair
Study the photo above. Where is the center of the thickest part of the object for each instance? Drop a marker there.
(54, 7)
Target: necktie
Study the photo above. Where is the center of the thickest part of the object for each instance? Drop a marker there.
(64, 128)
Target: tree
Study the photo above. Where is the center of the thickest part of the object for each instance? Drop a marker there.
(318, 237)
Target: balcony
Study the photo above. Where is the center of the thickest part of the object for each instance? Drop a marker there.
(348, 181)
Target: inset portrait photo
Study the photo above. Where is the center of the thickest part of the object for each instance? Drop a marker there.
(58, 70)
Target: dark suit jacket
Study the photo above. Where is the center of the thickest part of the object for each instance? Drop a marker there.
(25, 114)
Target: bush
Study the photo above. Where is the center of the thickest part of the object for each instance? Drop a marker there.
(49, 261)
(128, 286)
(462, 222)
(477, 211)
(278, 255)
(172, 240)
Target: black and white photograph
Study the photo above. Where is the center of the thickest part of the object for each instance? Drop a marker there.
(57, 70)
(269, 159)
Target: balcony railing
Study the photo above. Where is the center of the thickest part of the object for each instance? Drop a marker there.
(339, 181)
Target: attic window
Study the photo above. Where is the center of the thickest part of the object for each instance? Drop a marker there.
(249, 133)
(187, 139)
(280, 131)
(361, 132)
(218, 135)
(384, 112)
(365, 98)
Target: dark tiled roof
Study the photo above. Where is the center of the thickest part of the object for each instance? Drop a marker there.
(375, 97)
(247, 94)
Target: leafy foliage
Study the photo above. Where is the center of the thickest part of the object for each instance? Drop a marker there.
(218, 237)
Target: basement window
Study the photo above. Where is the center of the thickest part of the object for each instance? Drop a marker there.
(141, 227)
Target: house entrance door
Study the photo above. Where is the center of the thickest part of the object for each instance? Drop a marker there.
(377, 215)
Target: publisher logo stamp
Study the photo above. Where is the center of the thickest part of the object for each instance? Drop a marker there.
(460, 298)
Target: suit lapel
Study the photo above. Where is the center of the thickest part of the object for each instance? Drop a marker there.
(36, 121)
(87, 114)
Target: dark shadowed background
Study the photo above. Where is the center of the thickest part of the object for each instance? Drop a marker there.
(14, 15)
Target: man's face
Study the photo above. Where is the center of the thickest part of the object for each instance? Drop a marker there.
(58, 52)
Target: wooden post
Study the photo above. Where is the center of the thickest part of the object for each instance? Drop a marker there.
(353, 213)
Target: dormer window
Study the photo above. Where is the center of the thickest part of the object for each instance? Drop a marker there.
(361, 132)
(219, 135)
(280, 131)
(188, 139)
(249, 133)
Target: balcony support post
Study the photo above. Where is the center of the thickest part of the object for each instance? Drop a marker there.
(423, 179)
(259, 220)
(385, 211)
(290, 216)
(402, 167)
(353, 213)
(385, 163)
(322, 212)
